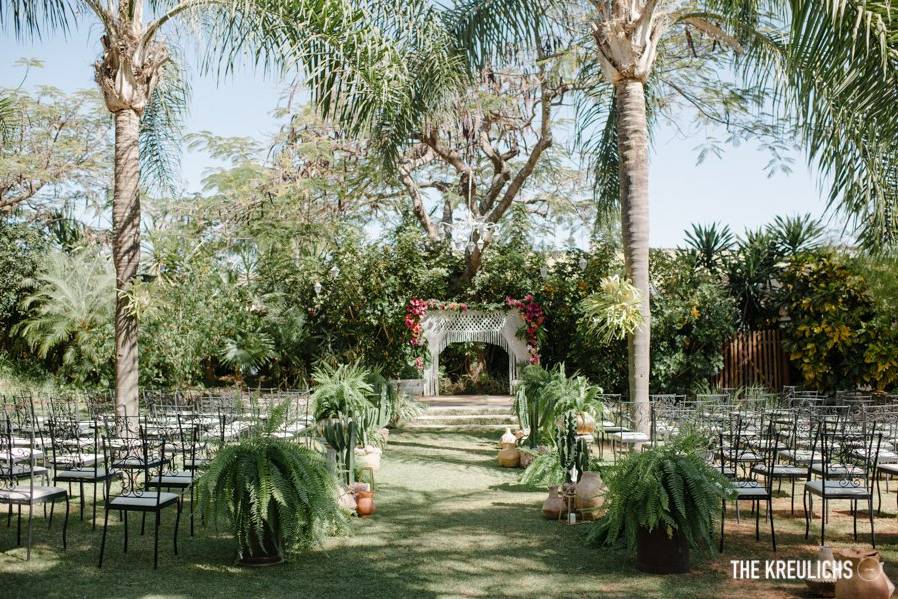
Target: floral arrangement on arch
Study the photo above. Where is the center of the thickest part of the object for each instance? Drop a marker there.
(531, 311)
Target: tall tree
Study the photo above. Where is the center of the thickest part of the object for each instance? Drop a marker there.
(827, 69)
(337, 45)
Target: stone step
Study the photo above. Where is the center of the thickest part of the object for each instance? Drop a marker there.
(468, 411)
(418, 426)
(470, 419)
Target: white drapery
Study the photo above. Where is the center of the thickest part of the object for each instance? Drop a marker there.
(442, 327)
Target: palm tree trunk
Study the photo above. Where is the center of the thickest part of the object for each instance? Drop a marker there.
(632, 131)
(126, 256)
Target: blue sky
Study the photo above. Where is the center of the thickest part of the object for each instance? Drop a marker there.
(733, 189)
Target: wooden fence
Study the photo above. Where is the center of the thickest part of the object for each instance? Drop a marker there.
(755, 358)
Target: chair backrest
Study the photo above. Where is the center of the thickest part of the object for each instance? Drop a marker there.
(15, 466)
(132, 454)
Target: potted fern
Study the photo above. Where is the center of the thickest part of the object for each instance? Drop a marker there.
(662, 501)
(276, 495)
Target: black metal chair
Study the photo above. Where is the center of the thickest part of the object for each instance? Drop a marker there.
(78, 459)
(840, 478)
(749, 488)
(129, 452)
(28, 495)
(185, 442)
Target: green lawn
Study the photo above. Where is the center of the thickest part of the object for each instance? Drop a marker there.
(449, 523)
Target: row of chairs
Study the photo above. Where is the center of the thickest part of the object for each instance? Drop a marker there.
(145, 464)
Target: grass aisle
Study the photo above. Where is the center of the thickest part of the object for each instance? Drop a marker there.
(450, 523)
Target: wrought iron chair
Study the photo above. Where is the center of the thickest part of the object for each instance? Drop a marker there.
(78, 458)
(840, 478)
(749, 488)
(28, 495)
(128, 451)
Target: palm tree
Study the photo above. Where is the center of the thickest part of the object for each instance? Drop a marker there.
(827, 69)
(338, 46)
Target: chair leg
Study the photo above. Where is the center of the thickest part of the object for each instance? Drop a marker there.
(872, 526)
(30, 519)
(143, 522)
(103, 540)
(156, 540)
(757, 505)
(125, 516)
(878, 496)
(854, 514)
(52, 509)
(823, 507)
(81, 498)
(177, 522)
(807, 521)
(772, 530)
(792, 498)
(192, 501)
(65, 524)
(19, 526)
(94, 508)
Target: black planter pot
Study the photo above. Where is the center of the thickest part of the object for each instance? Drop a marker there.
(259, 553)
(658, 553)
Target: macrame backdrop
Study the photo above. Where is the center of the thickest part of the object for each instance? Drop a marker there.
(442, 327)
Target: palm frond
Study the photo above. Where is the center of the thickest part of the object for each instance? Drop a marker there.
(161, 128)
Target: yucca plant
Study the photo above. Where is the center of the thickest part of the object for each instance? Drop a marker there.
(276, 494)
(532, 406)
(669, 488)
(344, 389)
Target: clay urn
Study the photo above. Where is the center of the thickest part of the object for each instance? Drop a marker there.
(508, 439)
(868, 581)
(586, 424)
(509, 457)
(364, 503)
(553, 506)
(588, 495)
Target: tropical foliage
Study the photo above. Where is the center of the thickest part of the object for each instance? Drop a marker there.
(277, 495)
(671, 487)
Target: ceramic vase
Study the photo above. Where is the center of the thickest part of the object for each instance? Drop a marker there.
(553, 506)
(868, 581)
(508, 439)
(368, 457)
(588, 495)
(586, 424)
(509, 457)
(364, 503)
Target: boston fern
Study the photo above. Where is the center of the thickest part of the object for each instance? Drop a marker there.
(276, 494)
(670, 486)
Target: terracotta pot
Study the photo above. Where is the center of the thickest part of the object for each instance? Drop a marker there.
(868, 580)
(553, 506)
(365, 503)
(586, 424)
(368, 457)
(658, 553)
(519, 435)
(385, 433)
(526, 458)
(509, 457)
(588, 495)
(508, 439)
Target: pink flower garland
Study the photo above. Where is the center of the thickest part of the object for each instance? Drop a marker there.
(534, 318)
(530, 310)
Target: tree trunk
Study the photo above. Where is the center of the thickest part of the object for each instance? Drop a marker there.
(126, 256)
(632, 130)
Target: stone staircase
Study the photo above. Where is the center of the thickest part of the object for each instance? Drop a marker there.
(461, 413)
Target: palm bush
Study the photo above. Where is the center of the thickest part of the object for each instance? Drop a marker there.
(70, 314)
(670, 486)
(344, 389)
(573, 394)
(277, 495)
